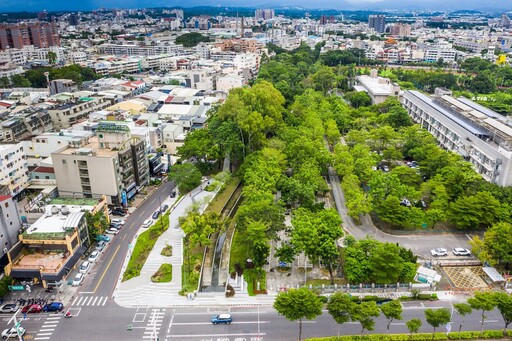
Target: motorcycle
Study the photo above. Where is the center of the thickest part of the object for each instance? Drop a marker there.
(68, 315)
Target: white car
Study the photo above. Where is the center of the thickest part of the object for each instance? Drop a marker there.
(13, 333)
(459, 251)
(147, 223)
(439, 252)
(118, 221)
(94, 256)
(79, 278)
(112, 231)
(86, 265)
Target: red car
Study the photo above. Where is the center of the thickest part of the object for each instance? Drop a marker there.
(32, 308)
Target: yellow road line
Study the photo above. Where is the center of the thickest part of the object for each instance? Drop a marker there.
(106, 269)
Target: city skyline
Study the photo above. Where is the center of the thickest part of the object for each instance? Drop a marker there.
(433, 5)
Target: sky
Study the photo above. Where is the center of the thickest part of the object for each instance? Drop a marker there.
(52, 5)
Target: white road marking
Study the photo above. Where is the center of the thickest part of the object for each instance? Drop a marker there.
(135, 319)
(226, 335)
(74, 300)
(95, 299)
(238, 322)
(42, 338)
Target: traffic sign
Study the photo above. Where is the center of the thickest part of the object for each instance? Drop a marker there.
(16, 287)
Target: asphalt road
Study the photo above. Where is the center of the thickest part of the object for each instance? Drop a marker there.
(419, 244)
(193, 324)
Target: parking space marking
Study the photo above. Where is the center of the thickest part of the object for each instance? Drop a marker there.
(74, 311)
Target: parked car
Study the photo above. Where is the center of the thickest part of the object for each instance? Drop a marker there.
(117, 221)
(439, 252)
(163, 208)
(147, 223)
(118, 212)
(13, 332)
(79, 278)
(222, 318)
(102, 238)
(113, 231)
(173, 194)
(32, 308)
(94, 256)
(9, 308)
(115, 226)
(54, 306)
(101, 245)
(459, 251)
(155, 215)
(86, 265)
(405, 202)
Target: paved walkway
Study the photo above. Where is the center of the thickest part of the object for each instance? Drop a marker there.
(140, 290)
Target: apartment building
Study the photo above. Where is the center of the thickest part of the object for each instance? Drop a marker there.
(10, 223)
(38, 34)
(74, 110)
(62, 85)
(482, 136)
(13, 56)
(112, 163)
(10, 70)
(23, 124)
(377, 23)
(433, 54)
(13, 168)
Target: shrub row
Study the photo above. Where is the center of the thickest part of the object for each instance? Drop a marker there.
(468, 335)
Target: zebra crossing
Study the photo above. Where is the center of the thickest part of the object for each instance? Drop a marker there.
(48, 327)
(84, 301)
(154, 323)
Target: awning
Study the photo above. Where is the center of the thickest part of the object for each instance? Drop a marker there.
(493, 274)
(27, 273)
(70, 263)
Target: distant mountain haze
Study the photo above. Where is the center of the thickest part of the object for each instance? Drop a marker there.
(55, 5)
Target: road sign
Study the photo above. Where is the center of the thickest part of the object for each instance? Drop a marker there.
(17, 325)
(16, 287)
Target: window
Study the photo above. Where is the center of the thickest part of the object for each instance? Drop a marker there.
(6, 204)
(47, 177)
(37, 176)
(64, 161)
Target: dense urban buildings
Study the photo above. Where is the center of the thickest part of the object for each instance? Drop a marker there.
(38, 34)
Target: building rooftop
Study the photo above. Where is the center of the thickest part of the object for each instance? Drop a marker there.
(93, 148)
(58, 219)
(376, 85)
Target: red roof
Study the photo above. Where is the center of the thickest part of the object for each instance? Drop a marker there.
(140, 122)
(168, 99)
(41, 169)
(5, 197)
(3, 104)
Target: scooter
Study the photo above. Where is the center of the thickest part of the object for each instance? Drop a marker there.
(68, 315)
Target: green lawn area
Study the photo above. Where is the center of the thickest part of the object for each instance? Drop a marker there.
(191, 269)
(222, 198)
(145, 243)
(238, 252)
(163, 275)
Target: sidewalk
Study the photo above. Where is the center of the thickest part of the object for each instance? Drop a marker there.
(141, 290)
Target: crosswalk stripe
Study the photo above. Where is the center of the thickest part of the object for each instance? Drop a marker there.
(104, 301)
(42, 338)
(95, 299)
(80, 300)
(76, 298)
(89, 301)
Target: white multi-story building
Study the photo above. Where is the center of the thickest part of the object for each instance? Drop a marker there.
(478, 134)
(9, 71)
(10, 223)
(13, 56)
(13, 168)
(378, 88)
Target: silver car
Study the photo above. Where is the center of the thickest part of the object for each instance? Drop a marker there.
(439, 252)
(459, 251)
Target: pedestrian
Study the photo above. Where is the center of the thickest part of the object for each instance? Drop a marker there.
(24, 316)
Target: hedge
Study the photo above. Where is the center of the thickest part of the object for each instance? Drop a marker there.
(468, 335)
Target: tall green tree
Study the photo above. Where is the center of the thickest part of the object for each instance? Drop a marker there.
(297, 305)
(484, 301)
(186, 175)
(496, 246)
(340, 307)
(19, 81)
(462, 309)
(365, 313)
(392, 311)
(437, 317)
(504, 305)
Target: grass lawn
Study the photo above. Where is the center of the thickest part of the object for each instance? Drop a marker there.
(222, 198)
(190, 271)
(145, 243)
(163, 275)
